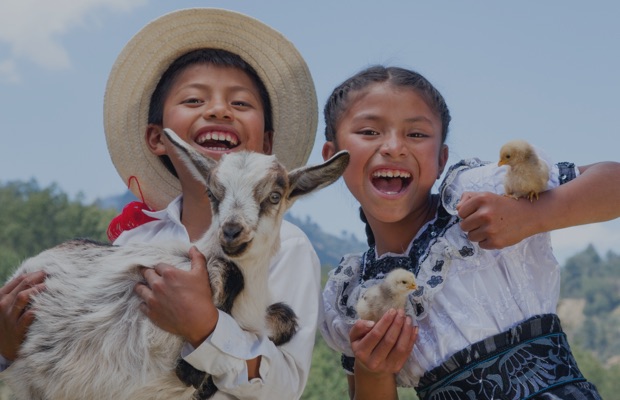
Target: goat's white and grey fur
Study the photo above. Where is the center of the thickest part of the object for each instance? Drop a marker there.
(89, 339)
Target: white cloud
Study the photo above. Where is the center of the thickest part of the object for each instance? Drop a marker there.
(33, 29)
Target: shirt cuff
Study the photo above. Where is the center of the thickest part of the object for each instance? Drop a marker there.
(4, 363)
(224, 353)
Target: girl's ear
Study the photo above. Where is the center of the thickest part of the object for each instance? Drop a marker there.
(268, 142)
(443, 159)
(329, 149)
(155, 139)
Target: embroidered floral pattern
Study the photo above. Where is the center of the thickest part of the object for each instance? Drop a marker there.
(518, 364)
(439, 253)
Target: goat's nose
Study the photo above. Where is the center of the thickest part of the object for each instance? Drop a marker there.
(231, 231)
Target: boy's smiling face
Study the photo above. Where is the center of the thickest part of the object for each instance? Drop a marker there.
(215, 109)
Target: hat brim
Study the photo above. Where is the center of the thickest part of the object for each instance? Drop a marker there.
(150, 52)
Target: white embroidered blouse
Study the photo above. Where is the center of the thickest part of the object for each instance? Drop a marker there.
(466, 293)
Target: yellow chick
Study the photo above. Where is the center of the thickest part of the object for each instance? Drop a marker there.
(390, 293)
(527, 174)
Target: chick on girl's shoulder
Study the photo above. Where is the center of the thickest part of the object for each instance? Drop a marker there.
(486, 281)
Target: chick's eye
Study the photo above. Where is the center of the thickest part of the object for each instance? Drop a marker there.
(274, 197)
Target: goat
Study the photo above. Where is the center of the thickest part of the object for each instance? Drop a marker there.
(89, 339)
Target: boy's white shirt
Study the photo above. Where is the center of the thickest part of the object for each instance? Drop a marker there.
(294, 278)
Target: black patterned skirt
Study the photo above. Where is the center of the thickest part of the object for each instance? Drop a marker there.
(530, 361)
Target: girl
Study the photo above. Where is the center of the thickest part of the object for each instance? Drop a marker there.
(484, 312)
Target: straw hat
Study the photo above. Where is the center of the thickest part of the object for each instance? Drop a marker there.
(148, 54)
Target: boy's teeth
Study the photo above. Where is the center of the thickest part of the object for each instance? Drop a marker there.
(222, 137)
(391, 174)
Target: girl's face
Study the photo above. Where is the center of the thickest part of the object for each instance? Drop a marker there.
(396, 151)
(215, 109)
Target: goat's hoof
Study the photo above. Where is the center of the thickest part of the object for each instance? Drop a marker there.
(189, 375)
(282, 323)
(206, 390)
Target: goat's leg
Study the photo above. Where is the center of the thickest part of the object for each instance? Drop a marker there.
(226, 283)
(206, 390)
(282, 323)
(190, 376)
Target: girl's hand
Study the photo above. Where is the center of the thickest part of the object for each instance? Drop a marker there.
(380, 349)
(180, 302)
(496, 221)
(15, 315)
(383, 347)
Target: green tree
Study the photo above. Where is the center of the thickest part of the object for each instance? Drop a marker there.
(33, 219)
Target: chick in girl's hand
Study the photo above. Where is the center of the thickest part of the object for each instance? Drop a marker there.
(527, 174)
(390, 293)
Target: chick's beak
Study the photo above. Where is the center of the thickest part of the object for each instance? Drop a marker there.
(501, 162)
(412, 286)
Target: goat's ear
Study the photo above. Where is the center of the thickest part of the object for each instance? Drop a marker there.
(307, 179)
(197, 164)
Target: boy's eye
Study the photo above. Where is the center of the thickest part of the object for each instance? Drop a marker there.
(240, 103)
(416, 135)
(192, 101)
(368, 132)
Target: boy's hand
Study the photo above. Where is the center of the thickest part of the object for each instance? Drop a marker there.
(179, 302)
(15, 314)
(496, 221)
(383, 347)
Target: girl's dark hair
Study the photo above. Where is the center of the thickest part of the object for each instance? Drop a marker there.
(339, 102)
(217, 57)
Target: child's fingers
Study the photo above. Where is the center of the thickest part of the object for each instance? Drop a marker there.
(199, 265)
(360, 329)
(363, 345)
(18, 299)
(22, 281)
(11, 285)
(393, 335)
(404, 346)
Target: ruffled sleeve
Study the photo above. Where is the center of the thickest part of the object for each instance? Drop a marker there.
(339, 315)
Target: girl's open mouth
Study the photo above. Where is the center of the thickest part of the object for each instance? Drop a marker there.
(391, 181)
(218, 141)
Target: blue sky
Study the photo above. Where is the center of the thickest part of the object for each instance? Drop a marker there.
(545, 71)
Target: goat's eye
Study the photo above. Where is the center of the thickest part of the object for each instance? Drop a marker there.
(211, 196)
(275, 197)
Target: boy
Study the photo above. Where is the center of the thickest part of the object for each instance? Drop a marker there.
(223, 82)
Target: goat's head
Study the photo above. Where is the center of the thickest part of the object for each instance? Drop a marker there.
(250, 193)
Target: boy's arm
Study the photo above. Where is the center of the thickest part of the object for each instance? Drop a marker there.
(4, 364)
(496, 221)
